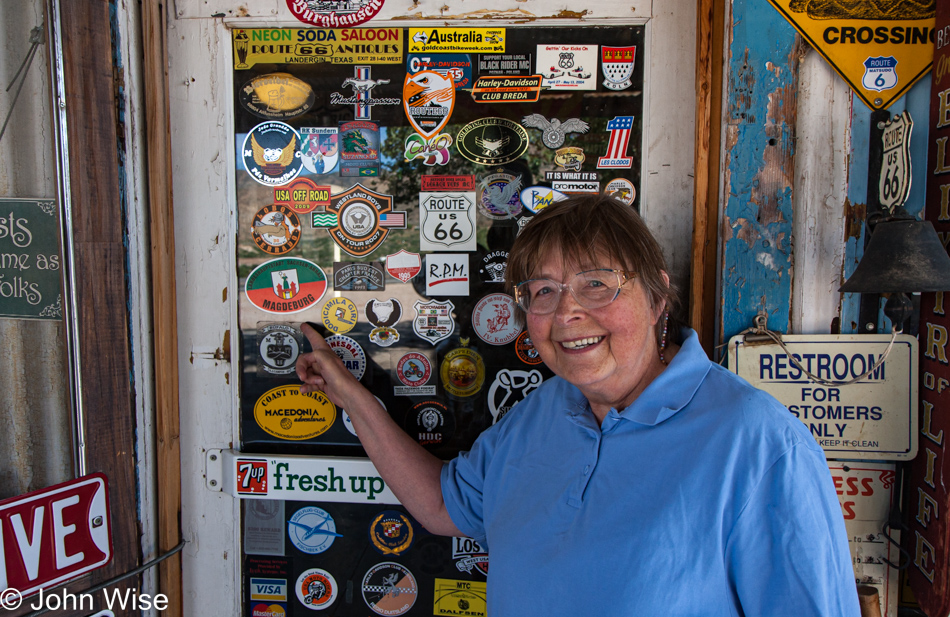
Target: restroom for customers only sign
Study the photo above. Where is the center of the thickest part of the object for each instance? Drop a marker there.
(872, 419)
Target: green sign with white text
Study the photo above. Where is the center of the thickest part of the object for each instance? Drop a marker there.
(30, 270)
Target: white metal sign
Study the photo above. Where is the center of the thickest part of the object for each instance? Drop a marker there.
(296, 478)
(894, 185)
(447, 221)
(873, 419)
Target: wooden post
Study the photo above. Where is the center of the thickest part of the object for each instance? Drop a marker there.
(164, 308)
(869, 600)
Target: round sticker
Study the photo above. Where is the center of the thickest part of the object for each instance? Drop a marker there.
(389, 589)
(430, 423)
(498, 196)
(312, 530)
(340, 15)
(286, 285)
(316, 589)
(285, 413)
(621, 189)
(348, 423)
(276, 229)
(353, 356)
(492, 141)
(462, 372)
(509, 388)
(271, 153)
(391, 532)
(413, 369)
(339, 315)
(494, 321)
(525, 349)
(277, 96)
(278, 347)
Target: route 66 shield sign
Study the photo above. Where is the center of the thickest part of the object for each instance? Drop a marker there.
(447, 221)
(894, 185)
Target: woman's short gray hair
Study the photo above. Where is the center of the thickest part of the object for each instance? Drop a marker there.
(582, 230)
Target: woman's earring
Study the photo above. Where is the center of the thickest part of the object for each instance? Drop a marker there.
(666, 324)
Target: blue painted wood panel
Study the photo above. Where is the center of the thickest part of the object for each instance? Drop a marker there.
(756, 267)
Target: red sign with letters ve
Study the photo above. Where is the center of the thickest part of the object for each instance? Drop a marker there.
(55, 534)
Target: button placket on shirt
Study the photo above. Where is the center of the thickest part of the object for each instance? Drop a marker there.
(591, 431)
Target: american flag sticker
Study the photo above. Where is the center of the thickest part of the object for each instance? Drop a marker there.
(396, 219)
(616, 157)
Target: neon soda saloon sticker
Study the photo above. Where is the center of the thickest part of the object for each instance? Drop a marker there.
(286, 285)
(316, 46)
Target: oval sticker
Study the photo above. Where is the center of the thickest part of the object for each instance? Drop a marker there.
(285, 285)
(285, 413)
(277, 96)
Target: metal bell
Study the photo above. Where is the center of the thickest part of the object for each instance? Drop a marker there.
(904, 255)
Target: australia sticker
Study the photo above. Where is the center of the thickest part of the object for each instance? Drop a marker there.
(278, 346)
(359, 219)
(414, 370)
(494, 321)
(391, 532)
(430, 423)
(447, 221)
(320, 149)
(403, 265)
(276, 229)
(509, 388)
(285, 285)
(433, 321)
(271, 153)
(348, 350)
(339, 315)
(492, 141)
(462, 371)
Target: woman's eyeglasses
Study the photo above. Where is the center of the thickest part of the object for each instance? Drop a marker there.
(591, 289)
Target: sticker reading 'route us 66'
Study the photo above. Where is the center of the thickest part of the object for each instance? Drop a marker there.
(447, 221)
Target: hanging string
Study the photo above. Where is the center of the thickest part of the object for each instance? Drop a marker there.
(36, 38)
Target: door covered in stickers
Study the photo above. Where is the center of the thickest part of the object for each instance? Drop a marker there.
(382, 176)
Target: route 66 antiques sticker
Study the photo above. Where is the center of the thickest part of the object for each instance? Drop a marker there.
(447, 221)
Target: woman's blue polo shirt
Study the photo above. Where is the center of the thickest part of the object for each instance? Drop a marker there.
(704, 497)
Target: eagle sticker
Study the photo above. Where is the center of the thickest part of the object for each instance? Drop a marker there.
(428, 99)
(271, 153)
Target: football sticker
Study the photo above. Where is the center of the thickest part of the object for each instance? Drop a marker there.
(285, 413)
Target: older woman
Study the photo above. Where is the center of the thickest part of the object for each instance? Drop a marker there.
(643, 479)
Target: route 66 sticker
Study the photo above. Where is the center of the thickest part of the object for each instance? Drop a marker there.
(447, 221)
